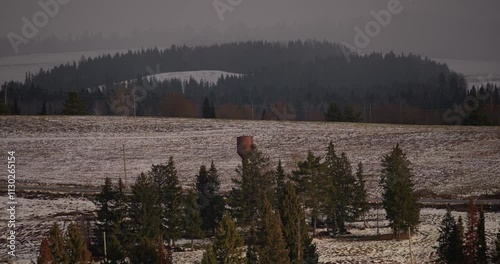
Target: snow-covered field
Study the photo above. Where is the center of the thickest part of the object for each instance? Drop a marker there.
(56, 150)
(447, 160)
(38, 215)
(206, 76)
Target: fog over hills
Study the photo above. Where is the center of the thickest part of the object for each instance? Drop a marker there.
(443, 29)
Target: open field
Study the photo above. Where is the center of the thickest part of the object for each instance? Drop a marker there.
(56, 150)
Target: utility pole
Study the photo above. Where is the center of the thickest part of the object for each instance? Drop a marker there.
(105, 250)
(370, 113)
(252, 110)
(125, 166)
(134, 103)
(409, 242)
(378, 233)
(4, 88)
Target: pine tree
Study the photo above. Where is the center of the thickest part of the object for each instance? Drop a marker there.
(471, 239)
(209, 256)
(76, 248)
(271, 244)
(299, 243)
(255, 182)
(482, 250)
(74, 105)
(310, 180)
(210, 201)
(399, 198)
(361, 197)
(450, 249)
(45, 256)
(192, 218)
(228, 245)
(171, 198)
(57, 245)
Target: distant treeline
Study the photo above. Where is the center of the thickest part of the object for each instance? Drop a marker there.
(298, 81)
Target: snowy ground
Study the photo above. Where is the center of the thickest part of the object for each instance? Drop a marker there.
(36, 216)
(206, 76)
(447, 160)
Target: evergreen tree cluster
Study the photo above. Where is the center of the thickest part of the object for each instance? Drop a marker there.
(261, 220)
(67, 248)
(336, 114)
(330, 189)
(457, 246)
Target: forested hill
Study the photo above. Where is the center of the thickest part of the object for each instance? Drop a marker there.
(234, 57)
(302, 80)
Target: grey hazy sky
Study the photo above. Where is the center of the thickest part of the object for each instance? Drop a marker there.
(425, 26)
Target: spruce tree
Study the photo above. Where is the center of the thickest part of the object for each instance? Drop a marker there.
(271, 244)
(471, 238)
(346, 210)
(209, 256)
(192, 218)
(57, 245)
(145, 214)
(255, 182)
(76, 248)
(4, 110)
(299, 243)
(208, 110)
(15, 109)
(172, 200)
(145, 251)
(334, 113)
(74, 105)
(115, 248)
(210, 201)
(105, 218)
(279, 178)
(44, 255)
(450, 249)
(399, 198)
(482, 250)
(361, 197)
(44, 109)
(329, 187)
(228, 245)
(310, 181)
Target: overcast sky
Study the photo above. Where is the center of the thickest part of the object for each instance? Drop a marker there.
(421, 27)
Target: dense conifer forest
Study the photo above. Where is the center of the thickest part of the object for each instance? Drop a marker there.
(296, 80)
